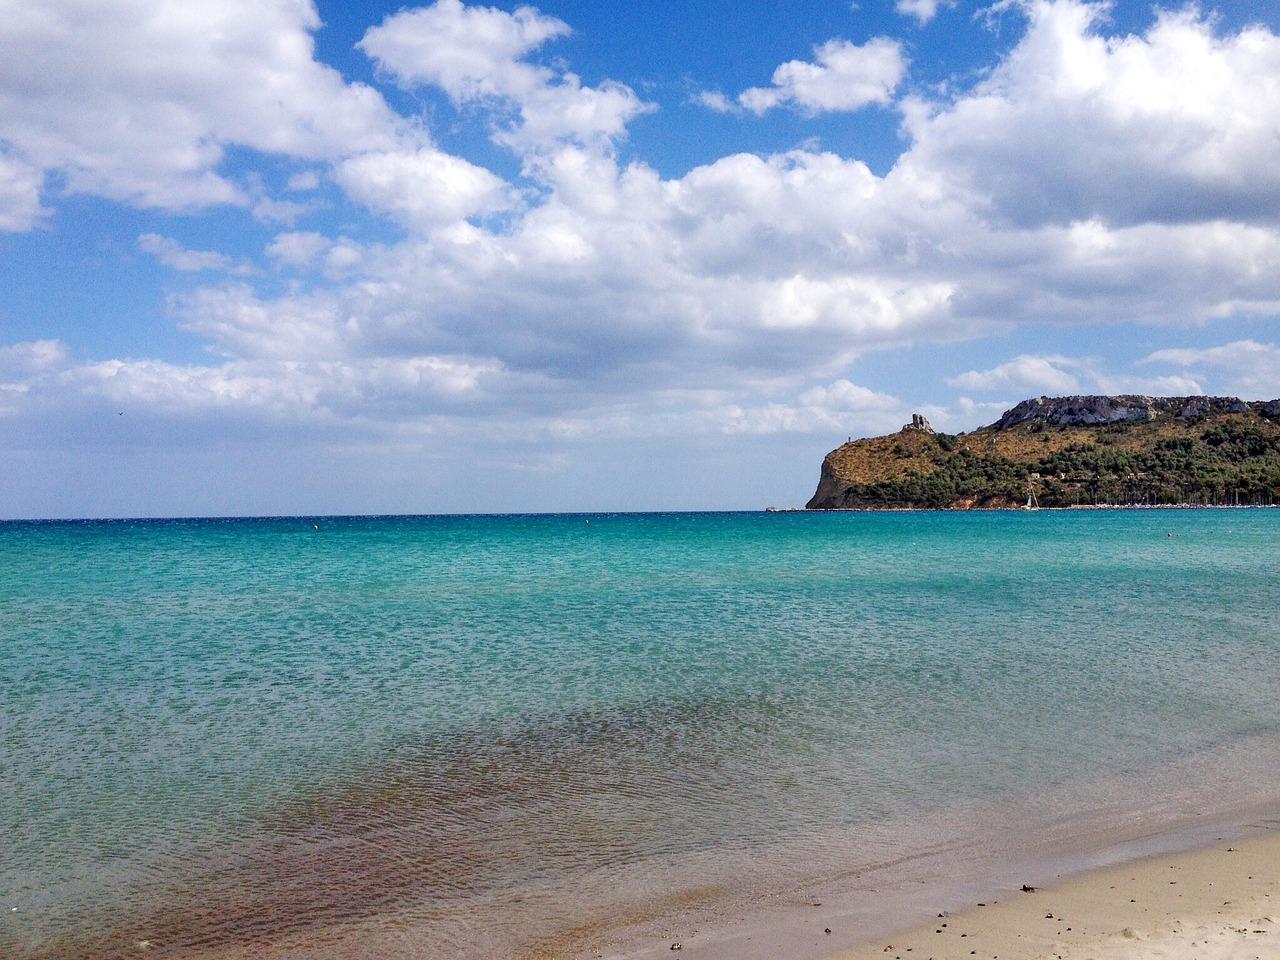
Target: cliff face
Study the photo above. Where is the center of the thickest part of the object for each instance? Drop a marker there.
(1067, 451)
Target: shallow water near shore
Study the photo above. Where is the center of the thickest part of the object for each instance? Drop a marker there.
(493, 736)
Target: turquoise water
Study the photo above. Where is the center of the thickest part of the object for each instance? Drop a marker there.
(469, 734)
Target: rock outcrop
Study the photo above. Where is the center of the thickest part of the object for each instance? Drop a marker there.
(919, 422)
(1127, 408)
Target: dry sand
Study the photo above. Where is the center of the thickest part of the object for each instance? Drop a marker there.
(1222, 903)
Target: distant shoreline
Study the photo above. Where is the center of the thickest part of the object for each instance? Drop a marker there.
(593, 514)
(1081, 507)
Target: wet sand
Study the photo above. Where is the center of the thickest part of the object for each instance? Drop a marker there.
(1200, 889)
(1126, 899)
(1222, 903)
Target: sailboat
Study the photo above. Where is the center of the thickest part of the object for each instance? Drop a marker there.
(1032, 502)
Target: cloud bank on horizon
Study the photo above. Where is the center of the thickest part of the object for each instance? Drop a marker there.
(460, 261)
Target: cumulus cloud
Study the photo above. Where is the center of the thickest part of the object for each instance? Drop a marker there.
(1058, 375)
(478, 55)
(376, 391)
(842, 76)
(1251, 369)
(746, 264)
(424, 188)
(965, 413)
(20, 183)
(138, 100)
(1177, 125)
(32, 356)
(1028, 373)
(174, 255)
(288, 388)
(840, 400)
(303, 181)
(715, 100)
(922, 10)
(298, 248)
(421, 395)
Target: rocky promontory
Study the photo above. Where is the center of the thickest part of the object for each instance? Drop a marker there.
(1068, 451)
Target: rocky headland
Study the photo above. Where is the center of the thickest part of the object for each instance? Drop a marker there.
(1069, 452)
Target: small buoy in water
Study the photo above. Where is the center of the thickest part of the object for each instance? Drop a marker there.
(1169, 534)
(315, 526)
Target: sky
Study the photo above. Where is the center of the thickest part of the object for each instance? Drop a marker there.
(268, 257)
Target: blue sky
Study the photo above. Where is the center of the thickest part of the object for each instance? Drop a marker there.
(276, 257)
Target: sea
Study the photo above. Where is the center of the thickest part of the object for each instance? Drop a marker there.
(570, 735)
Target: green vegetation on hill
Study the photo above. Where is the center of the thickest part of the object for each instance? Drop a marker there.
(1230, 458)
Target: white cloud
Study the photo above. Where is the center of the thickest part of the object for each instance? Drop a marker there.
(470, 51)
(1177, 125)
(376, 392)
(478, 55)
(620, 283)
(138, 100)
(744, 264)
(715, 100)
(32, 356)
(922, 10)
(304, 181)
(965, 413)
(843, 398)
(1251, 369)
(1155, 386)
(284, 212)
(850, 305)
(1030, 375)
(426, 394)
(336, 258)
(20, 183)
(298, 248)
(296, 327)
(424, 188)
(842, 77)
(174, 255)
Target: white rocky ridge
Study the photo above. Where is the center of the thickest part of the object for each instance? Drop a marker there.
(1088, 411)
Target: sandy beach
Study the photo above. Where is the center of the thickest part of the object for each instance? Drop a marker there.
(1221, 903)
